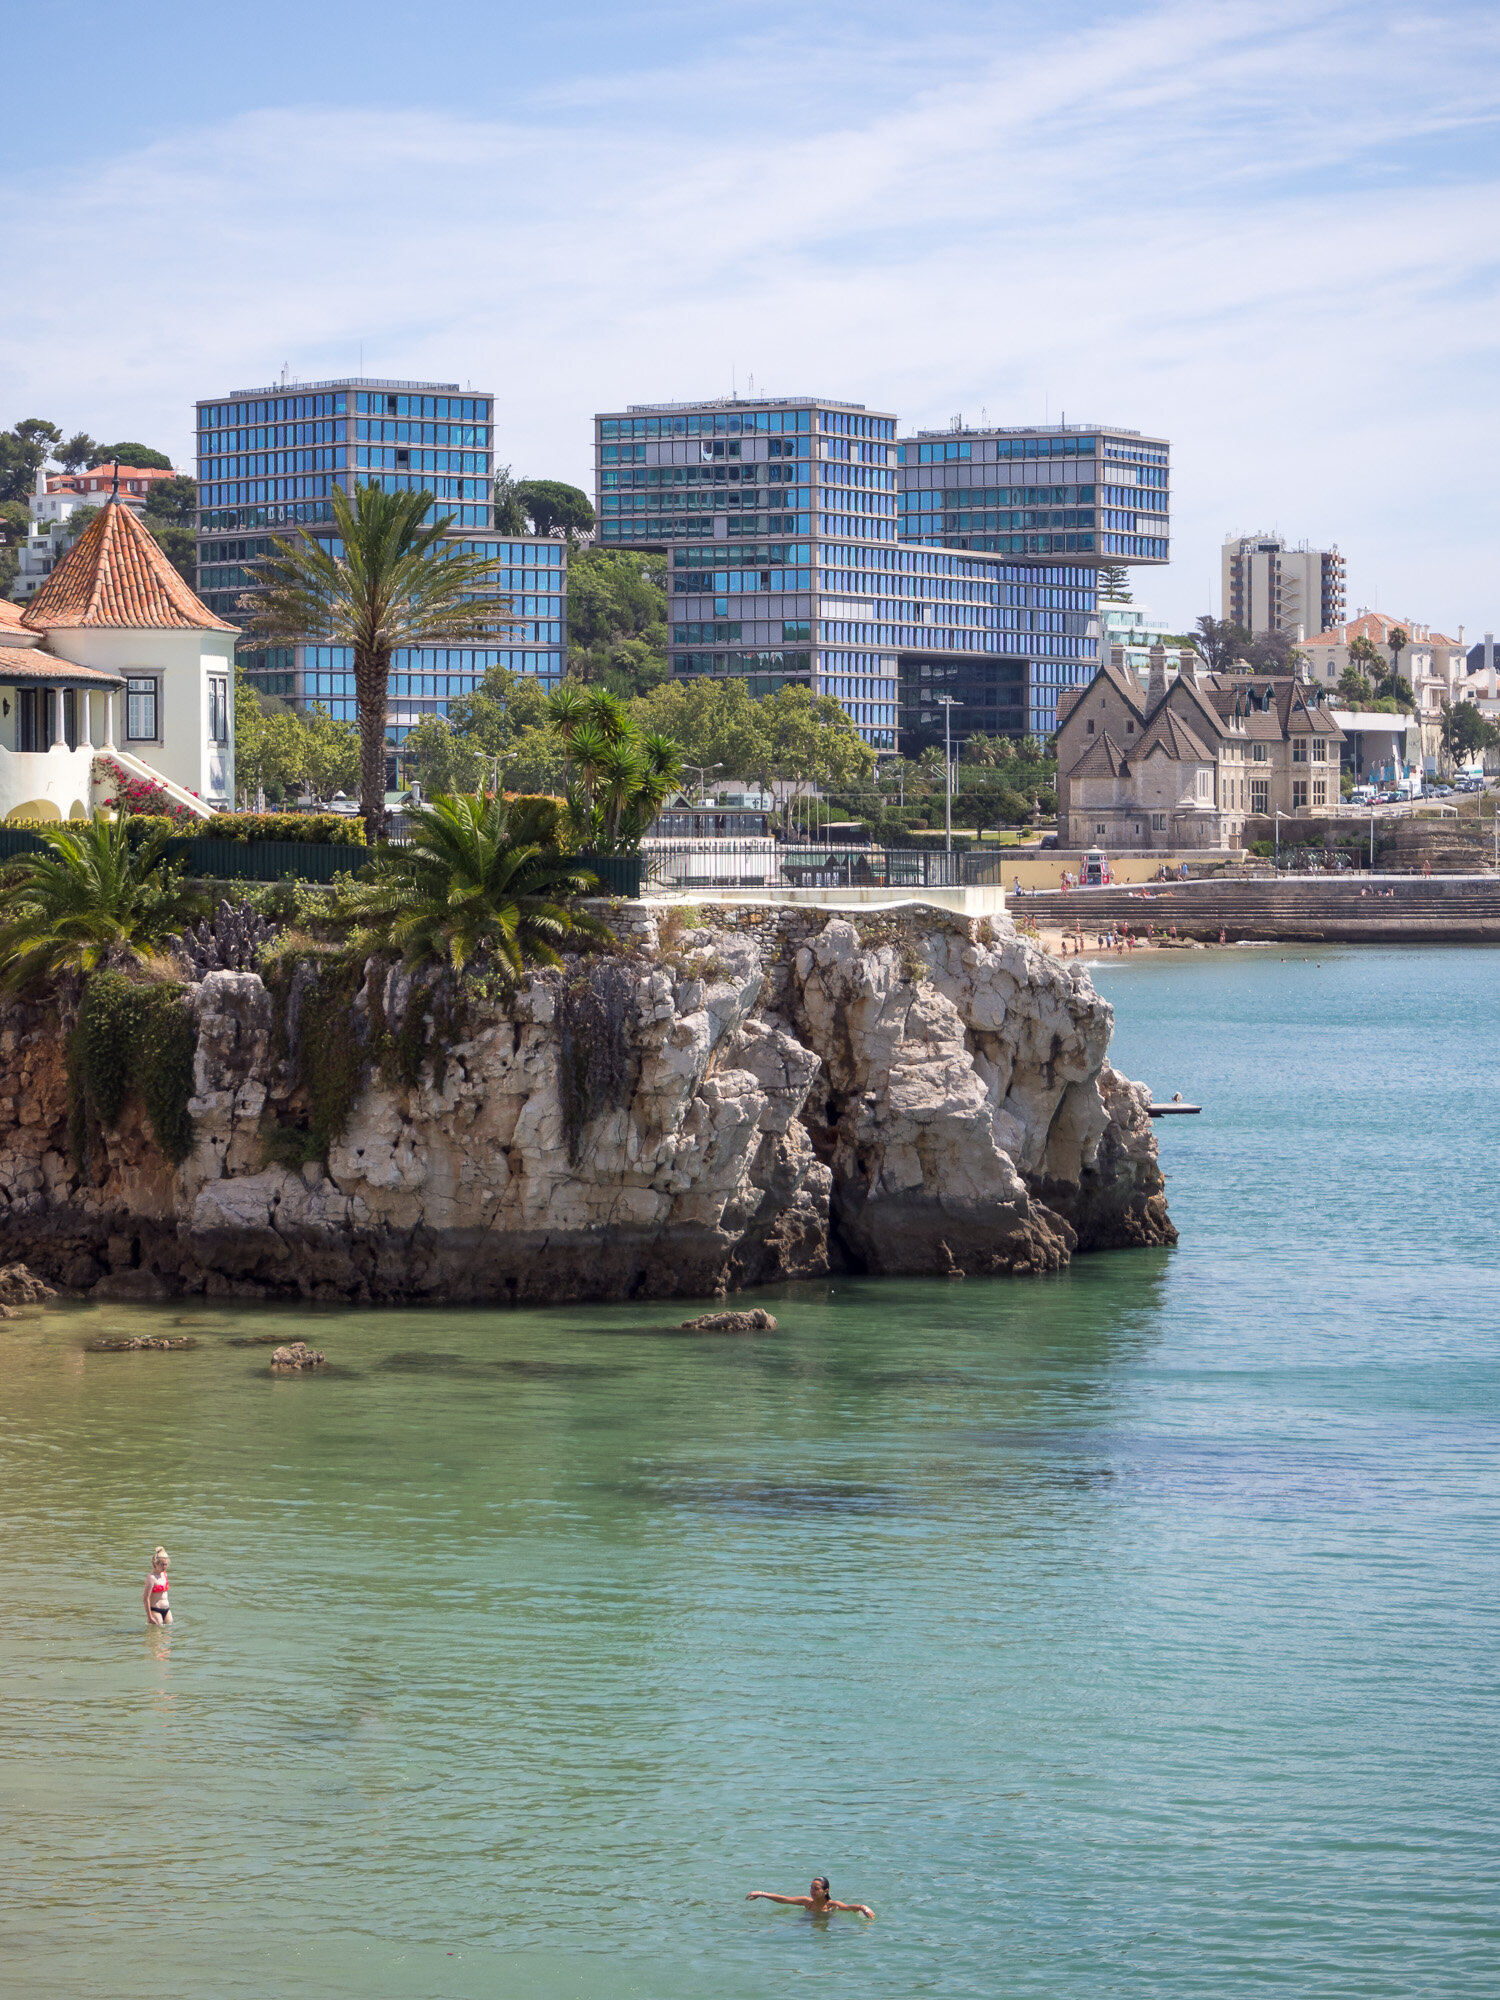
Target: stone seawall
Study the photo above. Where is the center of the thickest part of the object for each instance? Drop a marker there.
(740, 1096)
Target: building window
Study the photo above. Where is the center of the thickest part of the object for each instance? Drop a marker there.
(218, 708)
(1320, 750)
(1205, 785)
(1099, 829)
(140, 709)
(1258, 753)
(1299, 794)
(1260, 795)
(1158, 822)
(1320, 791)
(1091, 729)
(1299, 749)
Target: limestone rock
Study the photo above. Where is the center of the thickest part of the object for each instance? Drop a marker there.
(756, 1321)
(296, 1354)
(19, 1288)
(767, 1097)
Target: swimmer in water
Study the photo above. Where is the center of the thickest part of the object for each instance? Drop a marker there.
(154, 1596)
(820, 1902)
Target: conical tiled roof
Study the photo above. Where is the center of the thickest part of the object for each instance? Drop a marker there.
(115, 574)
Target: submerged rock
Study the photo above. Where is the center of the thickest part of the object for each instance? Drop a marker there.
(140, 1343)
(18, 1287)
(771, 1096)
(297, 1354)
(755, 1321)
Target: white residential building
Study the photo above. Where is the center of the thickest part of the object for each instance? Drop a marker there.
(115, 654)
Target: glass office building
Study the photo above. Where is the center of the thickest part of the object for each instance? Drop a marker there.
(806, 542)
(268, 461)
(1050, 503)
(778, 520)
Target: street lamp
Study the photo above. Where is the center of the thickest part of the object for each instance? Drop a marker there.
(948, 704)
(703, 771)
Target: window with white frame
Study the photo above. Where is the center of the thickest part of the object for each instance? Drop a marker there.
(218, 708)
(141, 699)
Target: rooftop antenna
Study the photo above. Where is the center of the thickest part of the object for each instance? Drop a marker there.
(734, 387)
(285, 368)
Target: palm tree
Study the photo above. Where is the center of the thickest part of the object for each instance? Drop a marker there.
(388, 580)
(89, 898)
(481, 877)
(1398, 641)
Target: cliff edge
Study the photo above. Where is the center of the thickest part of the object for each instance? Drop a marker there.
(767, 1094)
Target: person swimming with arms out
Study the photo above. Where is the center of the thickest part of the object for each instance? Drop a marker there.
(154, 1596)
(820, 1902)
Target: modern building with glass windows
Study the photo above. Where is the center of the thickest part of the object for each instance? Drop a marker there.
(806, 543)
(1051, 502)
(269, 460)
(778, 520)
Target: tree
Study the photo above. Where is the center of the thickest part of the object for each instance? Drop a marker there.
(445, 761)
(131, 453)
(619, 776)
(1466, 733)
(1354, 691)
(813, 741)
(551, 506)
(331, 752)
(510, 515)
(280, 750)
(79, 451)
(714, 722)
(15, 525)
(172, 515)
(1114, 583)
(1220, 641)
(1272, 652)
(1398, 641)
(617, 619)
(397, 582)
(90, 898)
(23, 453)
(173, 502)
(481, 877)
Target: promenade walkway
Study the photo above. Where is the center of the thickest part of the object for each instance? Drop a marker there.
(1373, 909)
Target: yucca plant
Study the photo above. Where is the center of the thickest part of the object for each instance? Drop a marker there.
(618, 778)
(396, 582)
(91, 898)
(480, 878)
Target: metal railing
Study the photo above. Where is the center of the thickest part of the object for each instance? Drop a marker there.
(736, 864)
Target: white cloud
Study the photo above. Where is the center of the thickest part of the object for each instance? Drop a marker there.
(1273, 238)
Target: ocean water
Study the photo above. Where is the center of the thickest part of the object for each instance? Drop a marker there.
(1130, 1633)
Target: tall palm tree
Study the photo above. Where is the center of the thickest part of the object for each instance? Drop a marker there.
(388, 580)
(481, 876)
(618, 778)
(89, 897)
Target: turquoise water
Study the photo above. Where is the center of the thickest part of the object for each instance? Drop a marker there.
(1130, 1633)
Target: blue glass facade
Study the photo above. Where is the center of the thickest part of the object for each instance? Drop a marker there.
(807, 543)
(268, 459)
(1057, 501)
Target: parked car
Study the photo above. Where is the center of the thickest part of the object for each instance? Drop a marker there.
(1049, 840)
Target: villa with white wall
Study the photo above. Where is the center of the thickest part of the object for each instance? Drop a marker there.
(114, 654)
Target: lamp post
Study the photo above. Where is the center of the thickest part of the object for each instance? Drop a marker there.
(948, 704)
(703, 771)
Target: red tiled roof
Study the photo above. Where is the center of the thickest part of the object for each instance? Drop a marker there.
(11, 615)
(102, 477)
(26, 663)
(116, 575)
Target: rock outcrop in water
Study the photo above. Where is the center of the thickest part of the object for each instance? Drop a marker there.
(769, 1096)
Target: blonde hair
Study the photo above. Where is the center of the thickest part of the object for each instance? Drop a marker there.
(160, 1556)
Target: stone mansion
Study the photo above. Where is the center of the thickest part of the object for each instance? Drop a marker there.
(1187, 763)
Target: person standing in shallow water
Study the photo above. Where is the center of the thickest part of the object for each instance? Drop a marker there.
(154, 1596)
(820, 1902)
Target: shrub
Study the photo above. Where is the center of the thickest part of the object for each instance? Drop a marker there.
(314, 829)
(139, 797)
(136, 1037)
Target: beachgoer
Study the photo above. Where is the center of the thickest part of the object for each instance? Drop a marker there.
(154, 1596)
(819, 1902)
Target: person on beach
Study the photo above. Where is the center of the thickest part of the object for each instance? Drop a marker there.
(154, 1596)
(820, 1902)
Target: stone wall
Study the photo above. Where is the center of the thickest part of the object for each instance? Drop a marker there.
(740, 1096)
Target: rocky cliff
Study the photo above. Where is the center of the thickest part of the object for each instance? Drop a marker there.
(768, 1096)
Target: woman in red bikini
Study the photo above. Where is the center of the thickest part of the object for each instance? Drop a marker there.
(154, 1596)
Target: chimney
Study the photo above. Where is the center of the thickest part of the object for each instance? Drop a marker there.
(1187, 666)
(1156, 687)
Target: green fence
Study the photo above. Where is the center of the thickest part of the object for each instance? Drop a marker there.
(619, 874)
(230, 860)
(270, 860)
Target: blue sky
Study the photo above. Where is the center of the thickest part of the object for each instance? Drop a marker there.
(1270, 233)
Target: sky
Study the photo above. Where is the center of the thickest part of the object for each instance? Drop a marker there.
(1270, 233)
